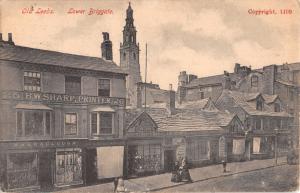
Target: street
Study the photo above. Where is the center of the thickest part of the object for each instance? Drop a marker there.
(277, 179)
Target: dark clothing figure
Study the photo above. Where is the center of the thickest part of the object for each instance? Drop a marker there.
(184, 170)
(116, 184)
(175, 173)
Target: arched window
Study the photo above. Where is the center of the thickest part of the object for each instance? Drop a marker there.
(254, 81)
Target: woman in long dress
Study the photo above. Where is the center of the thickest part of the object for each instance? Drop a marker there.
(185, 174)
(175, 173)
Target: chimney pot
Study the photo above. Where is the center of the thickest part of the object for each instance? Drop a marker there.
(10, 37)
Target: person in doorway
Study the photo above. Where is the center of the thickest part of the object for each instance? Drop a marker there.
(176, 177)
(185, 174)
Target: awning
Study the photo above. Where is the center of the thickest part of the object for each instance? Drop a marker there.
(33, 107)
(103, 109)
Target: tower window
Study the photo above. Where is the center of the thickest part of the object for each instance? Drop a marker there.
(254, 81)
(124, 55)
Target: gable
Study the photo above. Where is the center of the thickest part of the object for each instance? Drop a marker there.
(236, 125)
(142, 124)
(210, 106)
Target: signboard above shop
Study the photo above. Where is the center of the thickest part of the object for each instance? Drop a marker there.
(61, 98)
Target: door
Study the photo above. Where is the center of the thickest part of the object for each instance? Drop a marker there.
(91, 166)
(46, 170)
(169, 160)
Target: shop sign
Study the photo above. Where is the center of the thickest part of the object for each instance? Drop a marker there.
(61, 98)
(41, 144)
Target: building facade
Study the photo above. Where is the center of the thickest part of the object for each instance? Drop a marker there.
(61, 117)
(280, 80)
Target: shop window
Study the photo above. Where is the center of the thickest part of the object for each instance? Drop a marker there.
(70, 124)
(104, 87)
(22, 170)
(102, 123)
(73, 85)
(33, 123)
(32, 81)
(254, 81)
(277, 107)
(262, 145)
(68, 166)
(144, 158)
(198, 150)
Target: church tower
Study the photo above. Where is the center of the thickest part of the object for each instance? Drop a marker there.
(130, 57)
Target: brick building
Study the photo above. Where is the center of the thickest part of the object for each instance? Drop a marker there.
(61, 117)
(280, 80)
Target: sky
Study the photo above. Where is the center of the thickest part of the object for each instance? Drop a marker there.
(202, 37)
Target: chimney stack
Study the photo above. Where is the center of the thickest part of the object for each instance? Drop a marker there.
(106, 47)
(171, 101)
(10, 40)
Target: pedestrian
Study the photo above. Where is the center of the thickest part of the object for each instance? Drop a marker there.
(176, 177)
(185, 174)
(120, 186)
(116, 184)
(224, 163)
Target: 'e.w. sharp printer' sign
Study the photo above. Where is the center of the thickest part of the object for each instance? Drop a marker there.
(61, 98)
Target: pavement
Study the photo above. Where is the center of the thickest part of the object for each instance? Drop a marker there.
(161, 182)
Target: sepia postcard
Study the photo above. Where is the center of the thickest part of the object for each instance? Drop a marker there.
(140, 96)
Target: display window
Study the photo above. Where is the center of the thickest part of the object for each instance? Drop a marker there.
(68, 166)
(22, 170)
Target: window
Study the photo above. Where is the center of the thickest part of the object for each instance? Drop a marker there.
(258, 124)
(32, 81)
(104, 87)
(198, 150)
(124, 56)
(70, 124)
(102, 123)
(68, 166)
(278, 123)
(290, 94)
(277, 107)
(73, 85)
(33, 123)
(259, 105)
(254, 81)
(134, 56)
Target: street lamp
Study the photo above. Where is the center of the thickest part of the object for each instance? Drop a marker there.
(276, 144)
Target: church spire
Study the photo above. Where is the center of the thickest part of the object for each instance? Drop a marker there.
(129, 32)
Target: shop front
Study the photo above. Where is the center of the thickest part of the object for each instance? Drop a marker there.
(41, 164)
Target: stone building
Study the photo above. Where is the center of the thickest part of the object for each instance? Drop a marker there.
(130, 57)
(158, 136)
(61, 116)
(280, 80)
(264, 119)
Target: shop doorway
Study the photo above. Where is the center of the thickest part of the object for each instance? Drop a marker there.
(91, 166)
(169, 160)
(46, 170)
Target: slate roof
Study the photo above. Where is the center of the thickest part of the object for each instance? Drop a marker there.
(229, 100)
(184, 119)
(39, 56)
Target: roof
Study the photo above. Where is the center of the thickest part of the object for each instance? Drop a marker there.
(232, 99)
(213, 80)
(270, 98)
(39, 56)
(204, 104)
(184, 119)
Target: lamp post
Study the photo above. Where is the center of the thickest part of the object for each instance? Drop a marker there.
(276, 144)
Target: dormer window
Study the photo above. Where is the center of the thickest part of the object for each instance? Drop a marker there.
(254, 81)
(259, 105)
(277, 107)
